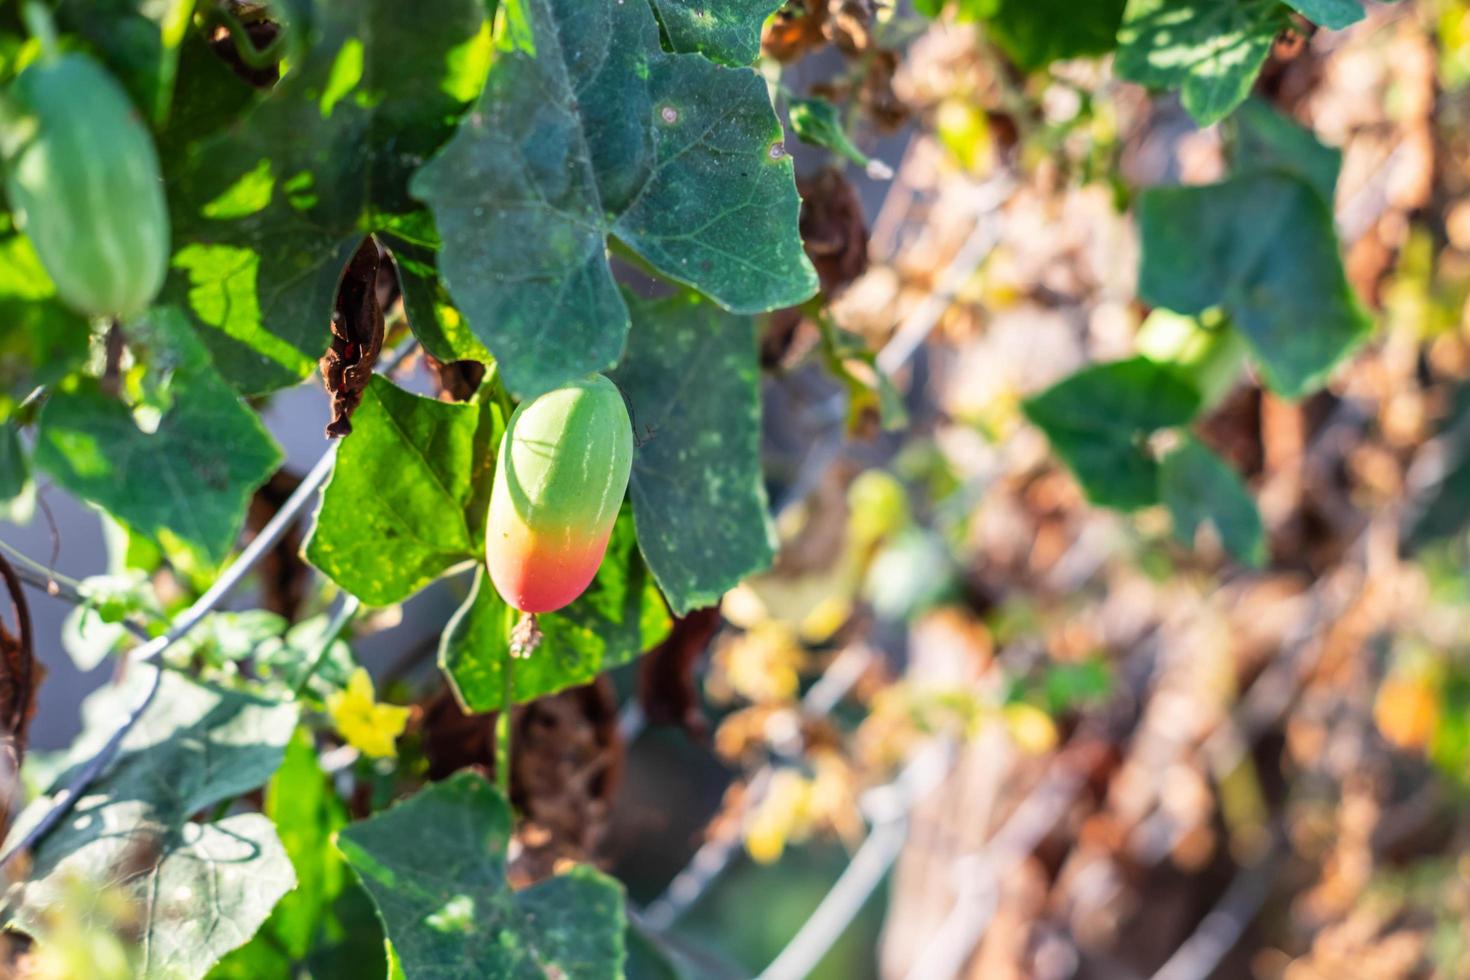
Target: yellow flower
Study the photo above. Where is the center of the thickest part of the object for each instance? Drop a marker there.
(368, 726)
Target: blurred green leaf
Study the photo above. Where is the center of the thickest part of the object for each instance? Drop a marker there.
(192, 475)
(728, 31)
(1099, 420)
(816, 121)
(1209, 50)
(394, 515)
(1034, 33)
(692, 380)
(15, 474)
(435, 867)
(1332, 14)
(202, 888)
(138, 39)
(1262, 246)
(1200, 488)
(1267, 140)
(587, 129)
(619, 616)
(41, 340)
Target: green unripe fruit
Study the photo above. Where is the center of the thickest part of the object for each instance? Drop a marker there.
(83, 181)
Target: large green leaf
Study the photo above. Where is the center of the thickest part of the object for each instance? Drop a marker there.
(693, 381)
(40, 340)
(1262, 246)
(1034, 33)
(1199, 488)
(616, 619)
(201, 888)
(1099, 421)
(192, 475)
(435, 866)
(1211, 50)
(1332, 14)
(727, 31)
(587, 129)
(269, 211)
(400, 509)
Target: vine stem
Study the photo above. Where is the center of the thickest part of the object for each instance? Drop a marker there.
(502, 729)
(334, 629)
(41, 27)
(268, 537)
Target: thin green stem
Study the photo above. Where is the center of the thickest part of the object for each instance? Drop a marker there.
(41, 27)
(502, 730)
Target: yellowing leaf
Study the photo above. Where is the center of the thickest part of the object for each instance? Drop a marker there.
(368, 726)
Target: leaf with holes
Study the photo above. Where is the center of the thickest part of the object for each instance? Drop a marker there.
(619, 616)
(435, 866)
(693, 381)
(270, 210)
(587, 130)
(202, 888)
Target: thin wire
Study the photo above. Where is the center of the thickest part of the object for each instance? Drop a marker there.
(714, 856)
(869, 865)
(1219, 931)
(345, 612)
(191, 617)
(716, 853)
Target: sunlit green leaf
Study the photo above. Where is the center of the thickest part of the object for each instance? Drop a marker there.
(1210, 50)
(267, 213)
(727, 31)
(191, 474)
(202, 888)
(396, 512)
(435, 866)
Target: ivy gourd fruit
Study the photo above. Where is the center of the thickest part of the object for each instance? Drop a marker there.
(82, 177)
(562, 471)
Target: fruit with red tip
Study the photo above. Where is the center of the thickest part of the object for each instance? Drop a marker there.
(562, 472)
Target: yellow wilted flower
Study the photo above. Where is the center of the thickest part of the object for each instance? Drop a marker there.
(368, 726)
(761, 664)
(1031, 729)
(780, 816)
(1406, 711)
